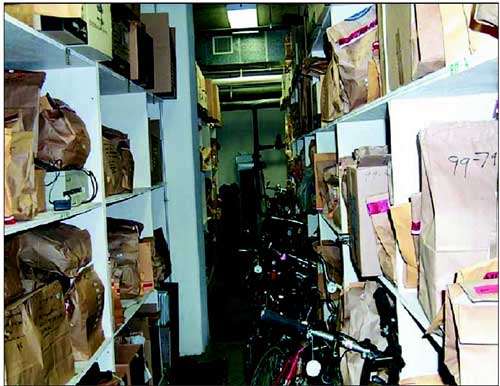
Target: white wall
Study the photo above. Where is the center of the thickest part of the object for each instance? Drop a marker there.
(237, 137)
(184, 185)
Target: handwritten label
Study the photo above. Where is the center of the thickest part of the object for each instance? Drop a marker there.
(480, 158)
(459, 66)
(491, 275)
(486, 289)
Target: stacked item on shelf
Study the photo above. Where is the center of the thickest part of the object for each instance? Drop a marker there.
(118, 162)
(37, 343)
(132, 45)
(123, 245)
(49, 133)
(383, 47)
(471, 325)
(141, 330)
(164, 53)
(367, 176)
(458, 203)
(86, 25)
(213, 103)
(58, 253)
(426, 37)
(21, 107)
(155, 151)
(129, 359)
(162, 266)
(355, 45)
(368, 313)
(201, 91)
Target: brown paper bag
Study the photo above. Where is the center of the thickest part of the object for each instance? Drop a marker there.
(22, 93)
(123, 246)
(59, 248)
(352, 41)
(118, 162)
(26, 12)
(427, 40)
(12, 286)
(20, 191)
(459, 183)
(361, 321)
(471, 332)
(455, 32)
(37, 344)
(481, 271)
(321, 162)
(333, 102)
(401, 219)
(64, 140)
(84, 307)
(378, 208)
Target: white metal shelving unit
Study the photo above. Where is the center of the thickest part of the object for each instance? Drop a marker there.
(464, 90)
(99, 96)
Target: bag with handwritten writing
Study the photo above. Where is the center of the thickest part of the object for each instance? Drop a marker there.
(37, 347)
(84, 306)
(471, 332)
(459, 182)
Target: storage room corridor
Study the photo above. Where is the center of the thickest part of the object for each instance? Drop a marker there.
(251, 194)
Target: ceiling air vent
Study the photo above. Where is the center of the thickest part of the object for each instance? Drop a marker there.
(222, 45)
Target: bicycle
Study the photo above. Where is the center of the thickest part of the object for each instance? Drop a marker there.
(289, 368)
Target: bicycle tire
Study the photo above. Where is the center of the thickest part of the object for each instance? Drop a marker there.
(269, 367)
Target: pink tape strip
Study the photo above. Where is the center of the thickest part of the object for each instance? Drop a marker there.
(377, 207)
(486, 289)
(491, 275)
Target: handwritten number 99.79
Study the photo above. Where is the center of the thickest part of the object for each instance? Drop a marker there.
(481, 157)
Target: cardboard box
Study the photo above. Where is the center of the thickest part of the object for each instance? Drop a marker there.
(40, 190)
(96, 16)
(141, 55)
(368, 178)
(471, 332)
(157, 26)
(146, 248)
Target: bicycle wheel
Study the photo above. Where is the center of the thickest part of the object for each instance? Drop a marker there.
(269, 367)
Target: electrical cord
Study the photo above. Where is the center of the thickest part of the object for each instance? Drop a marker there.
(56, 167)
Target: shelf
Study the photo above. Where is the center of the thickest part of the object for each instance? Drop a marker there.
(158, 186)
(468, 76)
(110, 200)
(409, 300)
(28, 49)
(81, 367)
(334, 228)
(49, 217)
(130, 307)
(112, 83)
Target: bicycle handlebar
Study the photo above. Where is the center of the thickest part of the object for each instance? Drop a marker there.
(344, 340)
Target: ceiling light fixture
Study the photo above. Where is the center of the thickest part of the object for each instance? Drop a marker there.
(242, 15)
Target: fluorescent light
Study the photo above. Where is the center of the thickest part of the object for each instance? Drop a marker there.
(247, 31)
(242, 15)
